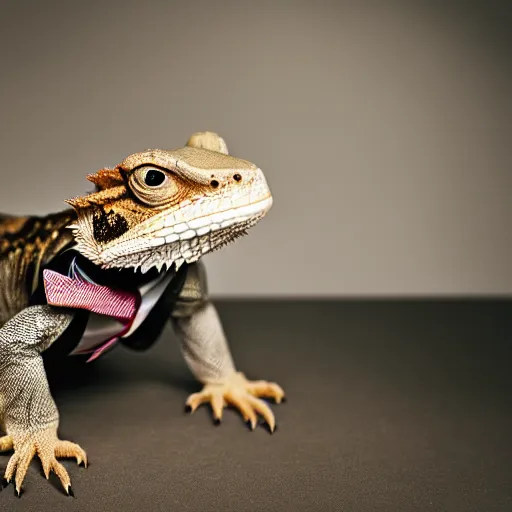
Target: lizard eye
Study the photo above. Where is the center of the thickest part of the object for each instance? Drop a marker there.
(154, 177)
(154, 187)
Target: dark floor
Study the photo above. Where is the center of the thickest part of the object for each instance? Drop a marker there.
(392, 406)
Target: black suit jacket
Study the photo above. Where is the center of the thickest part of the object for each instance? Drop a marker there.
(125, 279)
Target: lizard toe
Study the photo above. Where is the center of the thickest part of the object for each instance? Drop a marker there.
(67, 449)
(264, 389)
(5, 444)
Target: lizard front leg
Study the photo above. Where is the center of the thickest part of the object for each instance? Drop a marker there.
(29, 414)
(206, 351)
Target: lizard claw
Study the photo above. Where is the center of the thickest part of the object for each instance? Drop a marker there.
(242, 394)
(48, 447)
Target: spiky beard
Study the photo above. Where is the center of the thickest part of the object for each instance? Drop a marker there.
(142, 254)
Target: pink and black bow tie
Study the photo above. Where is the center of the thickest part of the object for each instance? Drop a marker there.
(63, 291)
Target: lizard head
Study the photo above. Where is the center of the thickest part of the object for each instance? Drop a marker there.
(160, 207)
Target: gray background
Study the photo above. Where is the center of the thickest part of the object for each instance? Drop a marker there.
(384, 128)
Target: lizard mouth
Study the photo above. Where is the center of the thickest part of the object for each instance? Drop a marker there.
(241, 216)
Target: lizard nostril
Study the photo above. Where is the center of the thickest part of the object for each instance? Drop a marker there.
(214, 183)
(237, 177)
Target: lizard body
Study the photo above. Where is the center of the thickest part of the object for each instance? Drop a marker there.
(114, 269)
(27, 244)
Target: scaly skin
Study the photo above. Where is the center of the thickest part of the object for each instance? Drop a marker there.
(155, 212)
(26, 244)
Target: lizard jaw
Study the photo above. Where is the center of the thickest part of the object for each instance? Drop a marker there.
(214, 223)
(164, 245)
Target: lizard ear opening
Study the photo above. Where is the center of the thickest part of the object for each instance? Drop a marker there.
(208, 140)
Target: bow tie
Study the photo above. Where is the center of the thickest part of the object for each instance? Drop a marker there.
(63, 291)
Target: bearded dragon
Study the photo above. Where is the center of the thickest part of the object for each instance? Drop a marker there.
(111, 270)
